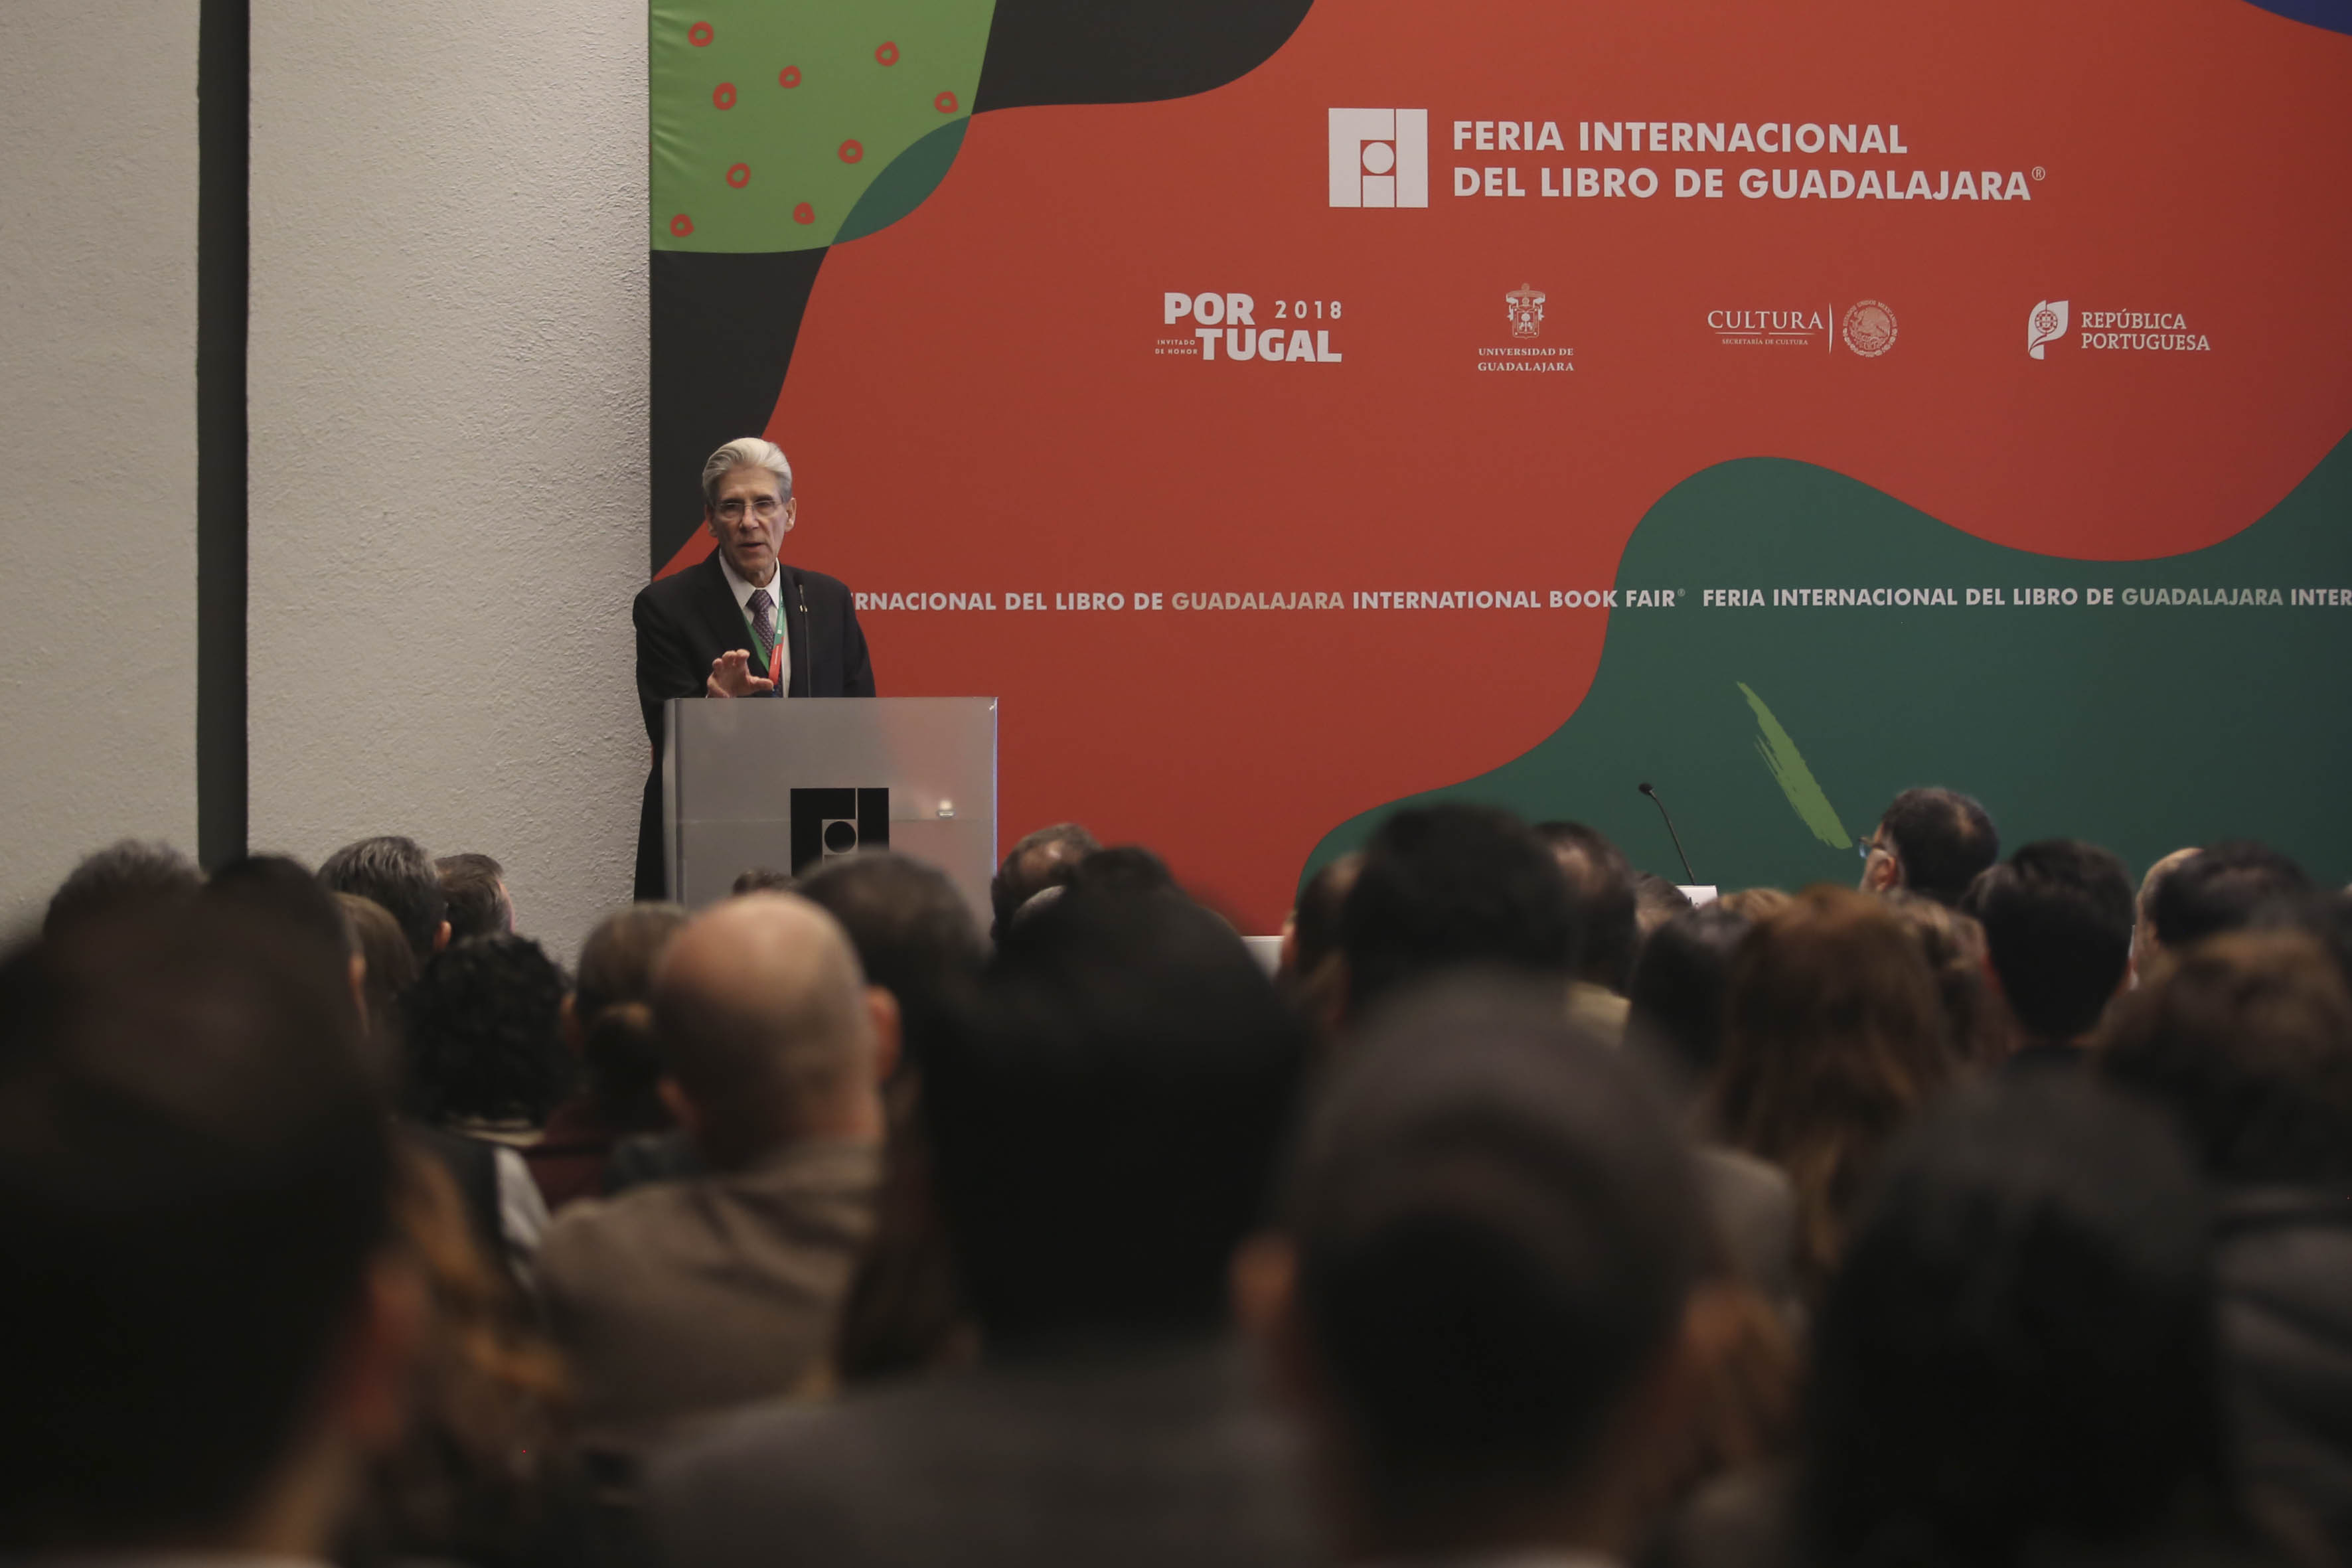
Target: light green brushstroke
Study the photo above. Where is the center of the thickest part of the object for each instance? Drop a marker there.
(1786, 767)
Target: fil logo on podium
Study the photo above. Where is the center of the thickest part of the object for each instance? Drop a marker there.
(830, 822)
(1380, 157)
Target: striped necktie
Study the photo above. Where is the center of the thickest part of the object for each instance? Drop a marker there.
(764, 625)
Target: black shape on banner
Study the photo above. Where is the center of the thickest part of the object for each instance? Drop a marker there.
(723, 329)
(1126, 51)
(828, 823)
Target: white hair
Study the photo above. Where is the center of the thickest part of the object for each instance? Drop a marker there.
(745, 452)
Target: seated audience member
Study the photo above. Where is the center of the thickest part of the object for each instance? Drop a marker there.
(1310, 969)
(1954, 946)
(2057, 918)
(2017, 1362)
(916, 939)
(208, 1336)
(1932, 842)
(2147, 947)
(390, 969)
(762, 880)
(2222, 887)
(1446, 886)
(608, 1023)
(1046, 858)
(2247, 1040)
(683, 1298)
(1106, 1123)
(1484, 1296)
(1127, 867)
(1755, 903)
(1833, 1038)
(397, 874)
(474, 891)
(1605, 915)
(1655, 901)
(126, 878)
(282, 888)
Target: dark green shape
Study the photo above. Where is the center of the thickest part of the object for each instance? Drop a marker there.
(910, 180)
(2141, 726)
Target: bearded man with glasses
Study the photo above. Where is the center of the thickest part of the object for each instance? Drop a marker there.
(741, 623)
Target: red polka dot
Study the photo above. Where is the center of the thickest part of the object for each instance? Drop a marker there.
(945, 103)
(789, 77)
(887, 54)
(724, 95)
(851, 152)
(740, 175)
(681, 226)
(700, 35)
(804, 214)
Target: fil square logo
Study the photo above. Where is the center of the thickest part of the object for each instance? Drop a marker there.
(1380, 157)
(828, 823)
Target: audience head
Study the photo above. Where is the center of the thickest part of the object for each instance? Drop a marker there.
(1655, 901)
(914, 933)
(1487, 1247)
(1682, 985)
(2223, 887)
(127, 877)
(1603, 906)
(1047, 858)
(2019, 1349)
(283, 888)
(2247, 1039)
(1833, 1037)
(2057, 918)
(1311, 935)
(1953, 946)
(609, 1016)
(473, 888)
(390, 971)
(1106, 1117)
(397, 874)
(1448, 885)
(1932, 841)
(1755, 903)
(483, 1034)
(205, 1340)
(1128, 868)
(762, 880)
(771, 1033)
(2146, 945)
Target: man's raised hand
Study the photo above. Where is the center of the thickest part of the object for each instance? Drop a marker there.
(731, 676)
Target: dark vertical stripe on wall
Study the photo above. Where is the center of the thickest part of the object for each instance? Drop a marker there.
(223, 96)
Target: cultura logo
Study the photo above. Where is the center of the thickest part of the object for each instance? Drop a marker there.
(2045, 325)
(1869, 329)
(1380, 157)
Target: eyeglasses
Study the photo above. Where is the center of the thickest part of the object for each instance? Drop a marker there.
(731, 510)
(1863, 846)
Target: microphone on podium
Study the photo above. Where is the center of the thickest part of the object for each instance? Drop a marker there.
(1677, 837)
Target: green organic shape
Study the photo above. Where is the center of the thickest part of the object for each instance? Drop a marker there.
(900, 188)
(1786, 767)
(754, 104)
(2199, 711)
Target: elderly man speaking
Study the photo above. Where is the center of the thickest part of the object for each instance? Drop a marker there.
(741, 624)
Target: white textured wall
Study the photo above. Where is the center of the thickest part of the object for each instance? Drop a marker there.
(97, 432)
(448, 436)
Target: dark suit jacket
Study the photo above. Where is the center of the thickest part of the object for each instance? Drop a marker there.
(687, 619)
(1157, 1459)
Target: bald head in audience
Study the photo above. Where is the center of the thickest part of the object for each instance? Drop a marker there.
(771, 1030)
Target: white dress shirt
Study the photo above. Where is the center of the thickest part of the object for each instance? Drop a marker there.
(775, 587)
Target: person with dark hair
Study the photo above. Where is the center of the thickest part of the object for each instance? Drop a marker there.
(1453, 884)
(1953, 946)
(207, 1335)
(397, 874)
(2148, 948)
(1931, 841)
(1105, 1121)
(608, 1023)
(2246, 1039)
(914, 934)
(475, 890)
(1311, 934)
(1484, 1294)
(2224, 887)
(2057, 918)
(684, 1299)
(762, 880)
(485, 1038)
(389, 970)
(1604, 912)
(1682, 984)
(1656, 900)
(2017, 1361)
(1833, 1038)
(126, 878)
(283, 888)
(1046, 858)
